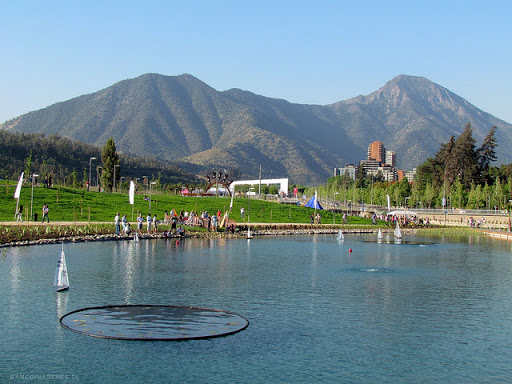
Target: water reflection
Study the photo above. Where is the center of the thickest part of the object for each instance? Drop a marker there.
(438, 308)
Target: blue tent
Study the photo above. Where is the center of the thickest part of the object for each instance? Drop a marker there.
(313, 203)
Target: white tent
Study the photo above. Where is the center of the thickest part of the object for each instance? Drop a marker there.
(402, 213)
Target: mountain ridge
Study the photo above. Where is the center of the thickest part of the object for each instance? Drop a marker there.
(184, 120)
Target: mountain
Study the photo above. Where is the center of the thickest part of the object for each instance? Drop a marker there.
(182, 119)
(412, 116)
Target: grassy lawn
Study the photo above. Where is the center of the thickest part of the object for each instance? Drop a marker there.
(68, 204)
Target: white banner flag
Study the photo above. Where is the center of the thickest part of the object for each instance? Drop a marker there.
(132, 193)
(18, 188)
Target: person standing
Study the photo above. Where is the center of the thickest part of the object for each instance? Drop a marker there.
(140, 221)
(45, 213)
(148, 222)
(125, 223)
(214, 223)
(117, 223)
(155, 224)
(242, 211)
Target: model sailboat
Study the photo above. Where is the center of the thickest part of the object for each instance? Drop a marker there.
(340, 235)
(398, 233)
(61, 273)
(380, 236)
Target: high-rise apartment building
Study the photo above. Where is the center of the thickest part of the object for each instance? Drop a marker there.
(376, 151)
(390, 158)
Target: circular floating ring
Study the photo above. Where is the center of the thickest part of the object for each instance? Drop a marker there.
(153, 322)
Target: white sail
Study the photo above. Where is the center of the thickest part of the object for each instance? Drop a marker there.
(398, 233)
(61, 272)
(18, 187)
(340, 235)
(380, 235)
(249, 236)
(131, 195)
(136, 237)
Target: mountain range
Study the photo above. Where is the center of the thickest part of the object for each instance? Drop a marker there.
(185, 121)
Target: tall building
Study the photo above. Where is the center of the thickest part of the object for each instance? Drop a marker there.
(391, 158)
(349, 169)
(376, 151)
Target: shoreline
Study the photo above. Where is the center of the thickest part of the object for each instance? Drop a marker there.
(206, 235)
(257, 229)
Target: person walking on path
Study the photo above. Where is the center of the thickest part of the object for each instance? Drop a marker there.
(45, 213)
(140, 221)
(117, 223)
(19, 214)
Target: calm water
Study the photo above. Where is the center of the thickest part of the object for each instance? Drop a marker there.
(385, 313)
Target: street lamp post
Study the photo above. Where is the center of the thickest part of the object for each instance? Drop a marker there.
(32, 197)
(334, 208)
(249, 213)
(115, 166)
(371, 202)
(90, 162)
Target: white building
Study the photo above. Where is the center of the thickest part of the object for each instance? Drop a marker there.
(349, 169)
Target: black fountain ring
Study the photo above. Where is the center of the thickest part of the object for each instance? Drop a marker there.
(153, 322)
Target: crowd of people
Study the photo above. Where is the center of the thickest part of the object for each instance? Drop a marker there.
(175, 220)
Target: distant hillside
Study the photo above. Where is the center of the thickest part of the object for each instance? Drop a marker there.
(182, 119)
(60, 156)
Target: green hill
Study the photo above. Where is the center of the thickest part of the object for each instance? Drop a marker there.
(61, 157)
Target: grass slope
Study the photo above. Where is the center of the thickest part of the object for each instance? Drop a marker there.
(67, 204)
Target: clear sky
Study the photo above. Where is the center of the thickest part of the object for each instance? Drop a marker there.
(310, 52)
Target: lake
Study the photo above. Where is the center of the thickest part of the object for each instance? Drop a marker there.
(430, 310)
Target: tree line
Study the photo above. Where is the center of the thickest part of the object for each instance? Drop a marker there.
(460, 175)
(68, 162)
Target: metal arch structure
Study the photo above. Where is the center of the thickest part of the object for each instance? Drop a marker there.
(218, 177)
(225, 185)
(283, 184)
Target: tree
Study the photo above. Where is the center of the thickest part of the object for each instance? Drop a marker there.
(28, 164)
(464, 162)
(487, 154)
(360, 176)
(430, 194)
(110, 159)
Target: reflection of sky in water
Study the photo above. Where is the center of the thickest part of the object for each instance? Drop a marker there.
(379, 314)
(153, 322)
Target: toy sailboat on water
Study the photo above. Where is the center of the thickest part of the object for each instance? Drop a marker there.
(398, 233)
(340, 235)
(61, 273)
(380, 236)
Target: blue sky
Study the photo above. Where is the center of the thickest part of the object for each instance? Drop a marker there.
(303, 51)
